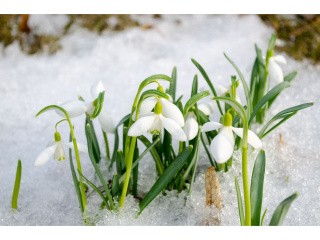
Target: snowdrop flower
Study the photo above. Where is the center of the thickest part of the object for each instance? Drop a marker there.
(166, 115)
(77, 108)
(275, 71)
(191, 126)
(57, 150)
(222, 146)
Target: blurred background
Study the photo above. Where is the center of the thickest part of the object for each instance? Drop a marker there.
(299, 35)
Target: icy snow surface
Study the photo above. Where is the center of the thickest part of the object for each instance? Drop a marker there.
(122, 60)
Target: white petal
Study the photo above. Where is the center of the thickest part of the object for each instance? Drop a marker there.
(171, 111)
(222, 146)
(275, 71)
(211, 126)
(59, 153)
(156, 125)
(207, 108)
(221, 90)
(106, 122)
(141, 126)
(173, 128)
(45, 155)
(147, 106)
(97, 88)
(253, 139)
(74, 108)
(279, 59)
(191, 127)
(81, 147)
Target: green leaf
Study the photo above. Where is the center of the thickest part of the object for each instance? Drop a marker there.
(154, 154)
(256, 188)
(116, 138)
(16, 188)
(97, 169)
(173, 84)
(194, 89)
(281, 117)
(193, 100)
(207, 79)
(282, 210)
(263, 216)
(96, 148)
(236, 106)
(98, 105)
(239, 198)
(272, 43)
(95, 188)
(166, 178)
(244, 83)
(76, 182)
(290, 76)
(141, 156)
(115, 189)
(271, 94)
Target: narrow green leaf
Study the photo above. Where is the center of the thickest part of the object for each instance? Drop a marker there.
(116, 139)
(154, 154)
(166, 178)
(281, 117)
(173, 84)
(272, 43)
(97, 169)
(244, 83)
(76, 182)
(96, 148)
(272, 93)
(99, 104)
(290, 76)
(96, 189)
(135, 172)
(263, 217)
(256, 188)
(207, 79)
(141, 156)
(194, 89)
(239, 198)
(193, 100)
(282, 210)
(115, 189)
(16, 188)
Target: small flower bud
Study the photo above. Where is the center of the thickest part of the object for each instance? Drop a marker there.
(57, 137)
(227, 119)
(158, 108)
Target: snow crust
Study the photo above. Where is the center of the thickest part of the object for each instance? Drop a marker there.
(122, 60)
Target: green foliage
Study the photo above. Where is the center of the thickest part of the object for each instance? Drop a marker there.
(16, 188)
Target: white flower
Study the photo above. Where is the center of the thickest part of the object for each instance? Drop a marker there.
(77, 108)
(191, 126)
(222, 146)
(166, 115)
(57, 150)
(275, 71)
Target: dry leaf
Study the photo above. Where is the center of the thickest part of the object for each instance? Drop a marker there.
(213, 192)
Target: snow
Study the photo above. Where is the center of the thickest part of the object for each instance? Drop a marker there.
(122, 60)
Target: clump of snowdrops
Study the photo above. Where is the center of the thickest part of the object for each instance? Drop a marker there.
(172, 128)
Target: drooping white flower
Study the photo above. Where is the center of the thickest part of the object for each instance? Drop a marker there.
(191, 126)
(166, 115)
(78, 108)
(222, 146)
(275, 71)
(56, 149)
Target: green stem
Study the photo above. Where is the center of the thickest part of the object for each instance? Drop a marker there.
(128, 171)
(245, 176)
(77, 155)
(105, 137)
